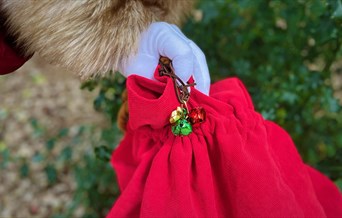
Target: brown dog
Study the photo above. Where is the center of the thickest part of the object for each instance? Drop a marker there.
(90, 37)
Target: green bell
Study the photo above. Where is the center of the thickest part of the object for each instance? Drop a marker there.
(182, 128)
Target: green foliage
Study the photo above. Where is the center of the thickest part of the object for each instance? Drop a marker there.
(51, 173)
(24, 170)
(5, 158)
(103, 153)
(283, 52)
(108, 100)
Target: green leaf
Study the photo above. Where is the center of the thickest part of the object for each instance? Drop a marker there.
(3, 113)
(3, 146)
(37, 157)
(66, 154)
(38, 130)
(90, 85)
(38, 78)
(103, 153)
(5, 158)
(63, 132)
(339, 184)
(338, 11)
(50, 144)
(51, 173)
(24, 170)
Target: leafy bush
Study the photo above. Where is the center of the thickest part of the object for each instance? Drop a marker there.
(283, 52)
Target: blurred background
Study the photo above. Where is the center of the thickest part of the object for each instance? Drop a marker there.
(57, 133)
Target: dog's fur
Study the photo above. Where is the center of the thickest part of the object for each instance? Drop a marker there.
(87, 36)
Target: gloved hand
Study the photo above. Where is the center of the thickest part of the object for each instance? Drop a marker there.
(163, 39)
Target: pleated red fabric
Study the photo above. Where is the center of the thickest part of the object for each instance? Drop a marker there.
(236, 164)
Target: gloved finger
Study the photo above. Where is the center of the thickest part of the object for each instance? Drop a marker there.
(183, 66)
(201, 71)
(178, 50)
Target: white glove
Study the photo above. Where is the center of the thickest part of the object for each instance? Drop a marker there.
(163, 39)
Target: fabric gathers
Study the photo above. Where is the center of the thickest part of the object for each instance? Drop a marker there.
(235, 164)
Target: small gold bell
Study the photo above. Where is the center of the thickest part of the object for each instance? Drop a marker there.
(176, 115)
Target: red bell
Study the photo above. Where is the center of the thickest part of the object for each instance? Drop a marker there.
(197, 116)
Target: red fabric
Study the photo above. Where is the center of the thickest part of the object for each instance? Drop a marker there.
(10, 60)
(236, 164)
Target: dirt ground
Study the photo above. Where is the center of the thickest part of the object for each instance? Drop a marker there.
(52, 97)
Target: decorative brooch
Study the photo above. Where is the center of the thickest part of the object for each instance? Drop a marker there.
(182, 120)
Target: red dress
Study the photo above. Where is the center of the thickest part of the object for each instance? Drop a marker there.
(236, 164)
